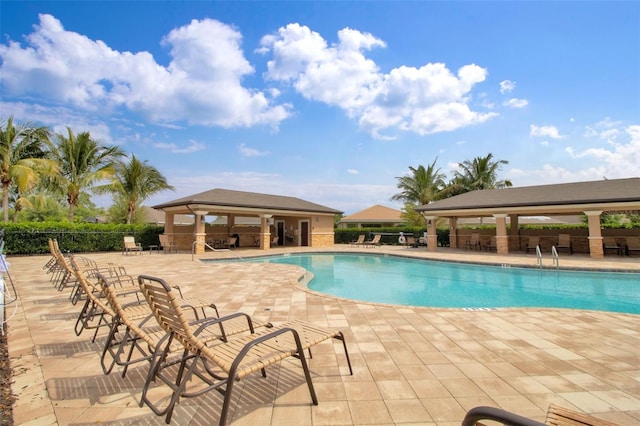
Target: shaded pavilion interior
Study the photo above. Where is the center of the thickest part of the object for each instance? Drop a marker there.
(591, 198)
(282, 220)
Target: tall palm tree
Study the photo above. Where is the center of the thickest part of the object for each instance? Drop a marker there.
(479, 173)
(134, 182)
(422, 186)
(84, 163)
(22, 154)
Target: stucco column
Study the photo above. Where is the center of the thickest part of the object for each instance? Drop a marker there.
(502, 239)
(432, 235)
(168, 226)
(595, 234)
(453, 232)
(265, 232)
(199, 235)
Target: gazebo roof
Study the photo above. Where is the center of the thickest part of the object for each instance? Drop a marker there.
(376, 213)
(227, 201)
(607, 195)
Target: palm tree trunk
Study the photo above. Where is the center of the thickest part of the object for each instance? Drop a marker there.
(5, 201)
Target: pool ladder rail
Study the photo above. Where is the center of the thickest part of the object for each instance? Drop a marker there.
(554, 255)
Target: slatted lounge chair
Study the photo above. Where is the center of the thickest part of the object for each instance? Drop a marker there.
(633, 245)
(95, 312)
(610, 244)
(556, 416)
(374, 242)
(232, 360)
(167, 245)
(532, 244)
(564, 243)
(358, 242)
(130, 245)
(146, 338)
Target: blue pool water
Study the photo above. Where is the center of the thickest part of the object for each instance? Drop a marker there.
(405, 281)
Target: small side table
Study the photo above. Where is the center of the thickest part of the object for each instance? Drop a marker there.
(153, 247)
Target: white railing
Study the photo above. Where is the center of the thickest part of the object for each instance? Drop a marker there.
(539, 256)
(556, 258)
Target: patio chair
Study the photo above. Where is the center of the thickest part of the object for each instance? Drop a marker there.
(233, 359)
(532, 244)
(473, 243)
(358, 242)
(610, 244)
(374, 242)
(167, 245)
(633, 245)
(130, 245)
(556, 416)
(491, 245)
(274, 241)
(95, 312)
(564, 243)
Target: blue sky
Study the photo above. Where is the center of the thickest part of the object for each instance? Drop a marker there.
(332, 101)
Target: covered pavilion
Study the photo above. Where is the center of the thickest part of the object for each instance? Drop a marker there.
(290, 220)
(589, 198)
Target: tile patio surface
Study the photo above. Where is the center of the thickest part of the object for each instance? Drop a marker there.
(412, 365)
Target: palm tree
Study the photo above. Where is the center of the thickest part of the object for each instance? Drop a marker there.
(22, 153)
(134, 182)
(479, 173)
(422, 186)
(83, 163)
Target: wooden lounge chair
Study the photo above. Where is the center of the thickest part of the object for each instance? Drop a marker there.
(234, 359)
(130, 245)
(564, 243)
(532, 244)
(556, 416)
(633, 245)
(374, 242)
(358, 242)
(167, 245)
(610, 244)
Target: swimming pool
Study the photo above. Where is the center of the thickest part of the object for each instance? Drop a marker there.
(418, 282)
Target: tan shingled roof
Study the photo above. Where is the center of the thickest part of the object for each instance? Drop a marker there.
(375, 213)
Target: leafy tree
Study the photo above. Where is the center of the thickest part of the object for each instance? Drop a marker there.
(43, 207)
(23, 158)
(479, 173)
(134, 182)
(411, 216)
(422, 186)
(83, 163)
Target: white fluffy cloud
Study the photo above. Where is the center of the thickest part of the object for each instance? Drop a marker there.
(507, 86)
(201, 85)
(545, 131)
(423, 100)
(615, 159)
(516, 103)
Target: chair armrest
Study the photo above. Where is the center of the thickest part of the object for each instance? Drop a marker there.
(478, 414)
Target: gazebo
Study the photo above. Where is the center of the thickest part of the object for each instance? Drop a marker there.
(291, 220)
(588, 198)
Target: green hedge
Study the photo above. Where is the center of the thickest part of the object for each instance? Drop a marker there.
(32, 238)
(345, 236)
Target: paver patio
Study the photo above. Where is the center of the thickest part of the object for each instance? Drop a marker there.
(412, 365)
